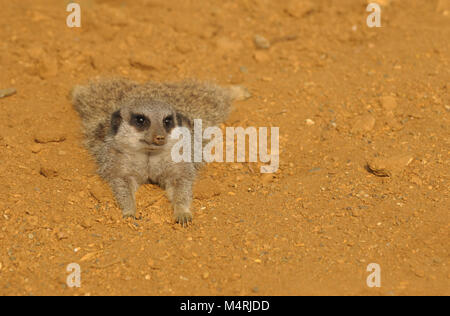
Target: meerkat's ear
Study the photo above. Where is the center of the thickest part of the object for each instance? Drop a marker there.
(183, 120)
(116, 120)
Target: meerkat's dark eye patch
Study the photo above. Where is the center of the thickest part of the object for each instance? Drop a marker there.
(116, 120)
(168, 123)
(183, 120)
(140, 121)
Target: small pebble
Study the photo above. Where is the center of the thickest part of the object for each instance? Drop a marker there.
(387, 167)
(240, 93)
(261, 42)
(48, 173)
(298, 9)
(388, 103)
(364, 123)
(36, 148)
(44, 137)
(310, 122)
(7, 92)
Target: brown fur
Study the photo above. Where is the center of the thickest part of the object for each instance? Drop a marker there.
(127, 155)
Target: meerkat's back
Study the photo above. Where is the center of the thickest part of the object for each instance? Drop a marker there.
(95, 104)
(100, 97)
(195, 100)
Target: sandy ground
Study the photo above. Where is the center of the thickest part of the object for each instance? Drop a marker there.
(347, 98)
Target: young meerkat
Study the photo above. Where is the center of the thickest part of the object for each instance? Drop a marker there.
(127, 128)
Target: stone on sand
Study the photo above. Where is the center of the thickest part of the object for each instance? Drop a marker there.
(390, 166)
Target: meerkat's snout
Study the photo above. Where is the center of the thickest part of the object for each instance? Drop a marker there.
(155, 137)
(159, 140)
(160, 135)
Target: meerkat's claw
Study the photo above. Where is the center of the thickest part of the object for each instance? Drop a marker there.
(184, 219)
(129, 215)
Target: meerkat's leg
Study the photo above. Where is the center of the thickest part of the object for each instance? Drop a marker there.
(179, 192)
(124, 191)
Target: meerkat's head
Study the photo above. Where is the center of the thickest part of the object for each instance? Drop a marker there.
(144, 125)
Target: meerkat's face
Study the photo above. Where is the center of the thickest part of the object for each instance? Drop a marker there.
(144, 128)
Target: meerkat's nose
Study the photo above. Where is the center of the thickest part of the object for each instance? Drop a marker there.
(159, 140)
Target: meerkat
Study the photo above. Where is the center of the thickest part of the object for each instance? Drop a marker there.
(127, 129)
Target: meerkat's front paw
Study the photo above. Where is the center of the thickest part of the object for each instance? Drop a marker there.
(184, 219)
(129, 214)
(183, 216)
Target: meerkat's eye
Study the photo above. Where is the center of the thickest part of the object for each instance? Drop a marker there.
(168, 122)
(140, 121)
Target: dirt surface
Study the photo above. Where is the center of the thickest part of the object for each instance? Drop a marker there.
(364, 149)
